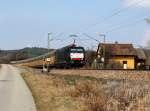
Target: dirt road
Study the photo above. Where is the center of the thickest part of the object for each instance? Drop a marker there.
(14, 93)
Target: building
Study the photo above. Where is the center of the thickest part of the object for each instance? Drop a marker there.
(116, 56)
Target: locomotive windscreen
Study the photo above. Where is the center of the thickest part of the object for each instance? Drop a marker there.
(77, 50)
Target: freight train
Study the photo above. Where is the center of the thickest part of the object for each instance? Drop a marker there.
(71, 56)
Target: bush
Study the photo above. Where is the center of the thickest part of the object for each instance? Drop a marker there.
(92, 95)
(89, 58)
(131, 97)
(114, 65)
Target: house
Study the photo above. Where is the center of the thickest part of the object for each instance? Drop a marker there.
(116, 56)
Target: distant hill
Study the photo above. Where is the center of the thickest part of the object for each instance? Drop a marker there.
(6, 56)
(14, 55)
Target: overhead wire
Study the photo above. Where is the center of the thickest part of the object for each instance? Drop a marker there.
(57, 37)
(90, 37)
(123, 26)
(120, 26)
(114, 29)
(115, 13)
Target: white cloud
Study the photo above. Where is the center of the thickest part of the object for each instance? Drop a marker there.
(139, 3)
(146, 39)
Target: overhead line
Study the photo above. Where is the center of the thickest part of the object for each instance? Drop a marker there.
(125, 25)
(123, 9)
(115, 13)
(58, 36)
(91, 37)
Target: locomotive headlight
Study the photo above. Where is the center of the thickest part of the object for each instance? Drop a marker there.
(77, 55)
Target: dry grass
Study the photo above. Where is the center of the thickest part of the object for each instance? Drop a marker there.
(131, 97)
(50, 93)
(91, 94)
(125, 97)
(75, 93)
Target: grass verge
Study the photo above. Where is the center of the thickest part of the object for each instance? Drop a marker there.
(75, 93)
(50, 93)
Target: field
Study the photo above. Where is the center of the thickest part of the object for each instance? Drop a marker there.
(76, 90)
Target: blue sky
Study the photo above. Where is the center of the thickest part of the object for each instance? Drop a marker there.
(26, 23)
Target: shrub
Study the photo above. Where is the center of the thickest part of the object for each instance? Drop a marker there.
(114, 65)
(129, 96)
(92, 95)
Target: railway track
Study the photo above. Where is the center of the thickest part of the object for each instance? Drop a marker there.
(117, 75)
(128, 70)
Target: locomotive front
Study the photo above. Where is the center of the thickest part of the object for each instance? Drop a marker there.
(77, 56)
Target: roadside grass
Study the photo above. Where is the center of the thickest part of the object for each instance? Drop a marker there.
(74, 93)
(50, 93)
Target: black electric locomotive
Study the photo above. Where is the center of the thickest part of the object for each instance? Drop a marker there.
(70, 56)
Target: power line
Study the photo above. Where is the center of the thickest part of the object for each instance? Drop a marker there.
(57, 37)
(124, 9)
(83, 39)
(124, 25)
(90, 37)
(114, 29)
(110, 26)
(85, 44)
(115, 13)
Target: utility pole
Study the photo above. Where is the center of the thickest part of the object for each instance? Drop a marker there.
(48, 64)
(48, 45)
(104, 40)
(104, 37)
(45, 60)
(104, 49)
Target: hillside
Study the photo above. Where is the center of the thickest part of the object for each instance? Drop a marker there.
(14, 55)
